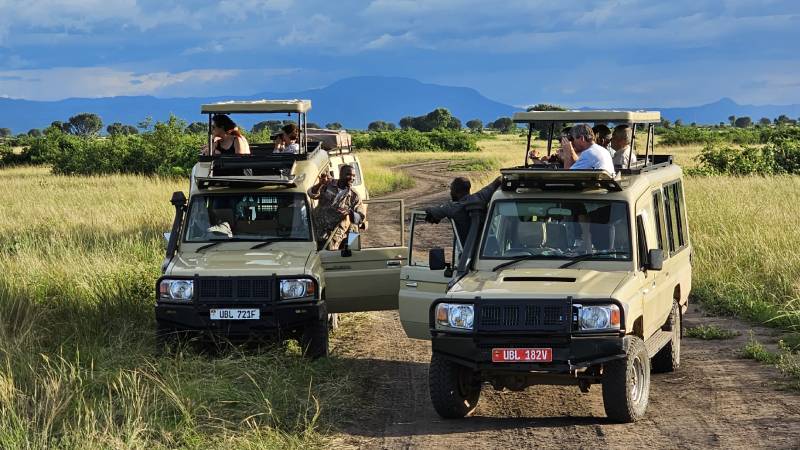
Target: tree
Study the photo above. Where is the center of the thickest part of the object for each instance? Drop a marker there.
(783, 119)
(380, 125)
(439, 118)
(503, 124)
(546, 107)
(333, 126)
(85, 124)
(679, 122)
(475, 125)
(732, 120)
(313, 125)
(197, 128)
(272, 125)
(120, 129)
(5, 132)
(34, 132)
(764, 121)
(742, 122)
(406, 122)
(665, 123)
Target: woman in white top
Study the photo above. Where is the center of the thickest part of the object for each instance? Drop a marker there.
(286, 141)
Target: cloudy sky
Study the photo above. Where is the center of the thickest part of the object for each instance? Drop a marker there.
(577, 53)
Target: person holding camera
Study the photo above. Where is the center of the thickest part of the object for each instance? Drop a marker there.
(340, 209)
(286, 140)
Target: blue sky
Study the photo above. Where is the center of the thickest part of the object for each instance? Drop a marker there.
(579, 53)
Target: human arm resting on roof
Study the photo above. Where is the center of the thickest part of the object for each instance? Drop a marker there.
(434, 214)
(485, 194)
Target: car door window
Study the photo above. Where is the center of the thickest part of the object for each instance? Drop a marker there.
(426, 236)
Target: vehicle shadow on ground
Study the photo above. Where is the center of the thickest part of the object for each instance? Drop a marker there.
(396, 403)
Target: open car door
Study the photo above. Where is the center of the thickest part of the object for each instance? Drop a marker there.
(421, 281)
(365, 276)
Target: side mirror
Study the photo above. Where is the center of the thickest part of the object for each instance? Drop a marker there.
(436, 259)
(655, 259)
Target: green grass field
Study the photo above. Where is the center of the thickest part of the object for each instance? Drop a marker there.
(79, 257)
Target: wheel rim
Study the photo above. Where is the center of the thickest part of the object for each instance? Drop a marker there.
(637, 380)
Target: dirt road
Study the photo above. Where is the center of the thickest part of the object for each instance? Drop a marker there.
(715, 399)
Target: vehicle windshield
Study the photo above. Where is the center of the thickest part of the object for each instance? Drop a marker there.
(248, 217)
(557, 229)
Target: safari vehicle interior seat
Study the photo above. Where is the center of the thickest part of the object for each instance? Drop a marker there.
(531, 234)
(556, 235)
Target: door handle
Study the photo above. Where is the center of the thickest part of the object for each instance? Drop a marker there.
(411, 284)
(393, 263)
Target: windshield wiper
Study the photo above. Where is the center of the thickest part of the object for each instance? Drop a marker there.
(587, 256)
(263, 244)
(215, 242)
(520, 259)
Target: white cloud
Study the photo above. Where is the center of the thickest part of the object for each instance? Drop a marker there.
(64, 82)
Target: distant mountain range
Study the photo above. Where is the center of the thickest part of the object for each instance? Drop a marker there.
(353, 102)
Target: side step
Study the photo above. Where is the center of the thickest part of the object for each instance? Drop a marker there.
(657, 341)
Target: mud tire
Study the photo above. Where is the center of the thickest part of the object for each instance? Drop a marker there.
(668, 359)
(314, 340)
(626, 384)
(454, 390)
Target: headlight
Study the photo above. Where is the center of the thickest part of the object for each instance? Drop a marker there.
(301, 287)
(181, 290)
(601, 317)
(458, 316)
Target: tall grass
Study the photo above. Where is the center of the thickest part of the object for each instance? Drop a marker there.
(78, 368)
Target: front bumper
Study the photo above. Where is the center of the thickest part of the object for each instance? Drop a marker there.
(570, 353)
(529, 323)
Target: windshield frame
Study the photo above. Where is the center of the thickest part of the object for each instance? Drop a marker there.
(490, 214)
(185, 226)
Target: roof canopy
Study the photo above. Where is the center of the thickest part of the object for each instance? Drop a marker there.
(588, 116)
(258, 106)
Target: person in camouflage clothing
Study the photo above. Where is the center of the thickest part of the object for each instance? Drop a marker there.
(340, 209)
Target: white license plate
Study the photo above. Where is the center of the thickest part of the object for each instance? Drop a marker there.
(235, 314)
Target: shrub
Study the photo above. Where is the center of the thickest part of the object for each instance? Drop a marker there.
(780, 156)
(415, 141)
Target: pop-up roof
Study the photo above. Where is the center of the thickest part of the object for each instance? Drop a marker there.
(588, 116)
(258, 106)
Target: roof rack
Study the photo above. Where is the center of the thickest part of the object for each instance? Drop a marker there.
(588, 116)
(258, 106)
(549, 178)
(250, 171)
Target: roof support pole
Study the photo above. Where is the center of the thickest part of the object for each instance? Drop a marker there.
(633, 144)
(528, 148)
(550, 137)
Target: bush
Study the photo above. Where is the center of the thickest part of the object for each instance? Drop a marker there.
(166, 151)
(781, 156)
(416, 141)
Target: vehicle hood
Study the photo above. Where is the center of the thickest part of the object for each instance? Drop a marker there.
(278, 259)
(539, 283)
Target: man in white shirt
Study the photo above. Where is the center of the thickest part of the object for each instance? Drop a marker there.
(620, 146)
(578, 151)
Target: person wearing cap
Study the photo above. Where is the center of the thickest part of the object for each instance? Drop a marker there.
(580, 152)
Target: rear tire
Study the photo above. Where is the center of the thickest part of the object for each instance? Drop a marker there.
(626, 384)
(668, 359)
(314, 340)
(455, 390)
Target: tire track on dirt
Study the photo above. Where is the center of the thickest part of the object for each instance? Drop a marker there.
(714, 400)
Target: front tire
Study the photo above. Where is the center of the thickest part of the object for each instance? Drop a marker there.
(668, 359)
(626, 384)
(454, 388)
(314, 340)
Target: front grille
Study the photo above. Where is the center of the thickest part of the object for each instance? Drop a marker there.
(531, 315)
(258, 289)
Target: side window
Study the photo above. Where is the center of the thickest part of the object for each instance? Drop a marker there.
(384, 224)
(669, 218)
(641, 241)
(425, 236)
(658, 207)
(680, 213)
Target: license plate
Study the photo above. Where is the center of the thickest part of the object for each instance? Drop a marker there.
(235, 314)
(512, 355)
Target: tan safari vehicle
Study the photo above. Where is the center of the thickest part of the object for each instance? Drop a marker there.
(241, 259)
(570, 277)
